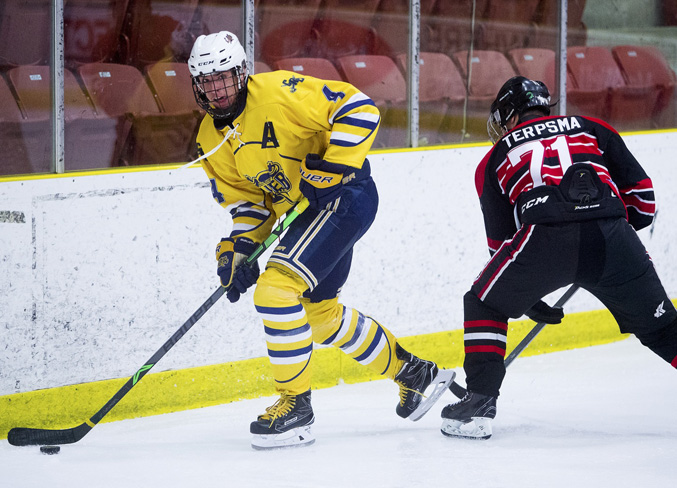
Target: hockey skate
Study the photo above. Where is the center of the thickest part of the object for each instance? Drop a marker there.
(469, 418)
(413, 379)
(286, 423)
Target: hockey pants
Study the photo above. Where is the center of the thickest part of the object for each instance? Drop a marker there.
(604, 256)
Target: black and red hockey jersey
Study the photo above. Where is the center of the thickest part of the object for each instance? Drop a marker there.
(539, 152)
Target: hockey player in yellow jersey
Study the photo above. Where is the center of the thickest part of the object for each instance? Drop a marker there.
(268, 140)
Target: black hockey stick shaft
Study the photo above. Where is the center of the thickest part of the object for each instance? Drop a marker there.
(459, 391)
(24, 436)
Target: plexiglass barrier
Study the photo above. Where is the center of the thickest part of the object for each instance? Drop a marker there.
(128, 98)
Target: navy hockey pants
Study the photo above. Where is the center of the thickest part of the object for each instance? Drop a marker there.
(318, 246)
(605, 257)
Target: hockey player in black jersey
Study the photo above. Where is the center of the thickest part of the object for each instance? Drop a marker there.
(562, 199)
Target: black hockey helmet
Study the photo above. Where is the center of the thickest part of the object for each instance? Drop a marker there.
(515, 97)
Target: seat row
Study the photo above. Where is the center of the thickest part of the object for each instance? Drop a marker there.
(632, 87)
(141, 32)
(117, 115)
(114, 115)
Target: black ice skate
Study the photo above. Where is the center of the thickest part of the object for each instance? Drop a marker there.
(469, 418)
(413, 379)
(286, 423)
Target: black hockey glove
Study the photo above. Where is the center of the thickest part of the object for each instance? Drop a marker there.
(321, 181)
(232, 270)
(542, 312)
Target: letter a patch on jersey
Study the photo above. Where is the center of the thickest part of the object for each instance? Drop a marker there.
(268, 139)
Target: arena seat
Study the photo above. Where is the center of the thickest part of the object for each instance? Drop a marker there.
(441, 97)
(536, 64)
(490, 70)
(344, 28)
(17, 135)
(286, 28)
(261, 67)
(379, 78)
(647, 66)
(317, 67)
(600, 91)
(172, 86)
(145, 135)
(89, 139)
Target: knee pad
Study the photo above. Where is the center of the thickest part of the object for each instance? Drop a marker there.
(278, 287)
(324, 317)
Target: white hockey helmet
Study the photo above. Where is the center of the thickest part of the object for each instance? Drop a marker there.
(218, 68)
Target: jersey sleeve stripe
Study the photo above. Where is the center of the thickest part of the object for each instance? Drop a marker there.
(352, 104)
(365, 123)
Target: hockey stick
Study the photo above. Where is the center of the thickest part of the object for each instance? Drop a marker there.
(23, 436)
(459, 391)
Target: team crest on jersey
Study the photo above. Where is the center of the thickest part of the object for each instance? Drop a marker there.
(292, 82)
(273, 181)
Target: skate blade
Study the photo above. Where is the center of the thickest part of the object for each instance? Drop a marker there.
(441, 382)
(479, 428)
(301, 436)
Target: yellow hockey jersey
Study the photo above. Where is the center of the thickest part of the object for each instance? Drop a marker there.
(255, 172)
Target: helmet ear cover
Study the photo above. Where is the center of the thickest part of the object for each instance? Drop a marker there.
(516, 96)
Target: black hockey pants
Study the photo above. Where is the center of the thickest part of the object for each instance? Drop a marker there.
(605, 257)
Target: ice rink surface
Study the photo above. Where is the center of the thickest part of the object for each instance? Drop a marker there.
(604, 416)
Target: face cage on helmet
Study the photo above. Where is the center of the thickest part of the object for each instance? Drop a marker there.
(495, 127)
(212, 87)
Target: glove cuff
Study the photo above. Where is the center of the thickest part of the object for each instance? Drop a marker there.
(320, 178)
(244, 245)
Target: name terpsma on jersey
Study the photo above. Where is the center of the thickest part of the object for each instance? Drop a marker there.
(554, 126)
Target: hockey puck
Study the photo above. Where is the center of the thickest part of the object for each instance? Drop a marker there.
(50, 449)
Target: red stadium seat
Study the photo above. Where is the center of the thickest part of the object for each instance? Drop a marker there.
(536, 64)
(17, 136)
(490, 70)
(146, 135)
(646, 66)
(261, 67)
(441, 97)
(89, 140)
(286, 28)
(317, 67)
(172, 86)
(344, 28)
(600, 91)
(379, 78)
